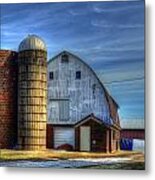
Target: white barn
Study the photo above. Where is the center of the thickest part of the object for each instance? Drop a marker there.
(74, 94)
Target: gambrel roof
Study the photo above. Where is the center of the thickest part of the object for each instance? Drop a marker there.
(105, 90)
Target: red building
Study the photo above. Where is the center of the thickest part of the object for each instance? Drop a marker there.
(8, 98)
(133, 129)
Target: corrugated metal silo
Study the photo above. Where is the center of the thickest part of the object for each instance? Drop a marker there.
(32, 86)
(8, 99)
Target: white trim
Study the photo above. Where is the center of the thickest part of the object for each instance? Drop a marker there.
(87, 119)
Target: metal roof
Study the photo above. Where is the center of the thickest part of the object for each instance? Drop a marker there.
(133, 124)
(105, 90)
(32, 42)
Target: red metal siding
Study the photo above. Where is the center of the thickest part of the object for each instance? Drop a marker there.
(8, 99)
(133, 133)
(113, 107)
(49, 136)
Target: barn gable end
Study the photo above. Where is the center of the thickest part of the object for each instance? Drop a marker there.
(76, 97)
(81, 113)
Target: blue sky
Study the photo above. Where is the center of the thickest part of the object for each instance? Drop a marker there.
(109, 36)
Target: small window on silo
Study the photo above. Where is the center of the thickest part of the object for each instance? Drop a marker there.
(78, 74)
(51, 75)
(64, 58)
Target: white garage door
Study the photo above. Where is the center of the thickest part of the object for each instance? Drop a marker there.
(64, 135)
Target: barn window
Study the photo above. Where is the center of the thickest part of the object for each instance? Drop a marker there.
(59, 110)
(51, 75)
(64, 58)
(78, 74)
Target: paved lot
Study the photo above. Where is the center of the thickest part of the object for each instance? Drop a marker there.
(71, 163)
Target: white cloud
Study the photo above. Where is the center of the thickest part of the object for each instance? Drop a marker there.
(105, 24)
(77, 13)
(100, 9)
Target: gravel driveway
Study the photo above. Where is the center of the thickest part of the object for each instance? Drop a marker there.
(70, 163)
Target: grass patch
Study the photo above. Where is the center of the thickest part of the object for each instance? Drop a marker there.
(52, 154)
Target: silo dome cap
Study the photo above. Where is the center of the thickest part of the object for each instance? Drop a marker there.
(32, 42)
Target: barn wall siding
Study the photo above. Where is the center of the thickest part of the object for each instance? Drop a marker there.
(133, 133)
(85, 95)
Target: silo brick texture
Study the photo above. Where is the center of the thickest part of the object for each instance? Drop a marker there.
(8, 99)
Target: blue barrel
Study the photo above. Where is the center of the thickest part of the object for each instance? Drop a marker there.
(126, 144)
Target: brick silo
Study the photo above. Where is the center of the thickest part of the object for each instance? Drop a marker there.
(32, 96)
(8, 99)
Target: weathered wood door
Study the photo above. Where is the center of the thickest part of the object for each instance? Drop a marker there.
(85, 138)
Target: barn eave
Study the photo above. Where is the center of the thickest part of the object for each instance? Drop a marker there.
(88, 118)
